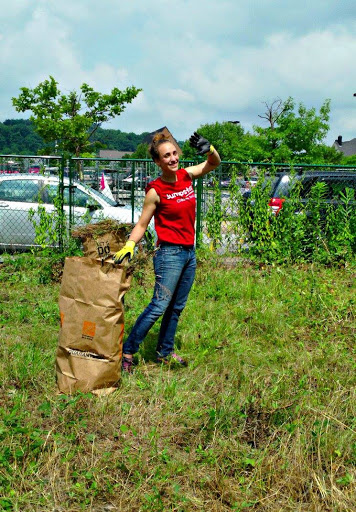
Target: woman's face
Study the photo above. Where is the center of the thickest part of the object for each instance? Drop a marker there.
(168, 157)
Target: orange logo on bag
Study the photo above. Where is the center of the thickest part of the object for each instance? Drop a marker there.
(121, 335)
(89, 329)
(62, 318)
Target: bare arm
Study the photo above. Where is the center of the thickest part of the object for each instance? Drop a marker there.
(212, 162)
(149, 207)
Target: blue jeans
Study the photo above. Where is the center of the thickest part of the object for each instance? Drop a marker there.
(174, 267)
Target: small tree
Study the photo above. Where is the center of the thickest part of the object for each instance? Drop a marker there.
(273, 111)
(227, 137)
(71, 120)
(141, 151)
(295, 134)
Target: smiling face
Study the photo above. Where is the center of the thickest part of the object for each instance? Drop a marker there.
(168, 158)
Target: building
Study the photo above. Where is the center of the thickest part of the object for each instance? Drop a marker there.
(113, 153)
(347, 147)
(167, 133)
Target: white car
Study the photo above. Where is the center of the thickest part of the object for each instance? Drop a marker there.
(22, 193)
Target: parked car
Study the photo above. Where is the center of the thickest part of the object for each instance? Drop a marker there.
(147, 179)
(279, 190)
(21, 193)
(4, 170)
(34, 169)
(140, 181)
(244, 185)
(336, 182)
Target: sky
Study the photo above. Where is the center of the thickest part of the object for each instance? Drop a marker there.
(196, 61)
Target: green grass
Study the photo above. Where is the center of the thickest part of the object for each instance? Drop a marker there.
(263, 419)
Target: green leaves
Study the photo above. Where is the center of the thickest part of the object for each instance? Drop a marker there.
(71, 119)
(315, 229)
(226, 137)
(295, 134)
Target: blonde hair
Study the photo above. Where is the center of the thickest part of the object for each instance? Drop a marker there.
(158, 139)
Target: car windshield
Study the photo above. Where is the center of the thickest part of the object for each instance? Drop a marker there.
(103, 197)
(333, 185)
(284, 186)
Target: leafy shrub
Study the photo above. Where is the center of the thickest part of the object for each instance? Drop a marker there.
(301, 231)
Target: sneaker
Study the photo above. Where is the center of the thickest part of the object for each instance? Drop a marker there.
(172, 359)
(127, 365)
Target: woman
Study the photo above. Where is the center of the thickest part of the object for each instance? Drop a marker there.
(170, 199)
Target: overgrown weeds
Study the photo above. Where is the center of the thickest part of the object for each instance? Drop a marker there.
(263, 419)
(313, 230)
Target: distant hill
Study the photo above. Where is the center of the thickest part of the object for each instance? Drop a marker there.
(116, 139)
(18, 137)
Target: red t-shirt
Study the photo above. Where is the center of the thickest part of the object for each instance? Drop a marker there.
(175, 213)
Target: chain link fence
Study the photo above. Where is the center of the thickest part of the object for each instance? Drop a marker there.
(31, 208)
(43, 197)
(241, 201)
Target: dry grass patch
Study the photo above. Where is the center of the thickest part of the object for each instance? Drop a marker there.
(263, 418)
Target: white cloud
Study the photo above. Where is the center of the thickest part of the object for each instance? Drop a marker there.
(313, 59)
(310, 63)
(345, 118)
(178, 95)
(196, 62)
(12, 10)
(311, 68)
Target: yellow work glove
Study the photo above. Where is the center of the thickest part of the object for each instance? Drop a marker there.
(126, 252)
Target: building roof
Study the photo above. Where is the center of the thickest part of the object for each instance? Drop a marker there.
(347, 147)
(167, 133)
(113, 153)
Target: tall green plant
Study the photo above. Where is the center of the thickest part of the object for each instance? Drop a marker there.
(289, 229)
(262, 232)
(317, 230)
(51, 227)
(340, 227)
(316, 240)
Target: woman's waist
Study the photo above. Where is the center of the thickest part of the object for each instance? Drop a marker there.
(178, 245)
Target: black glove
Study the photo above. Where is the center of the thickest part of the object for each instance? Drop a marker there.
(199, 143)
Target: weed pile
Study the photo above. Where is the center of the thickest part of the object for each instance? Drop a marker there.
(263, 419)
(102, 228)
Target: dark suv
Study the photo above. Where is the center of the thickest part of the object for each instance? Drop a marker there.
(336, 183)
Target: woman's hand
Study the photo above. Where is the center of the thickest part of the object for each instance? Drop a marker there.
(202, 145)
(126, 252)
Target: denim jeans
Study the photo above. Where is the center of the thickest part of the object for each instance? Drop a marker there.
(174, 267)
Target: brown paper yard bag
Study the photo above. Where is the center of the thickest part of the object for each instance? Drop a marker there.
(92, 325)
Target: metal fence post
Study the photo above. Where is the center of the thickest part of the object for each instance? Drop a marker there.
(71, 193)
(133, 167)
(199, 219)
(62, 220)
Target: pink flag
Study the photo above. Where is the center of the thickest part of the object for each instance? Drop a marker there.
(104, 187)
